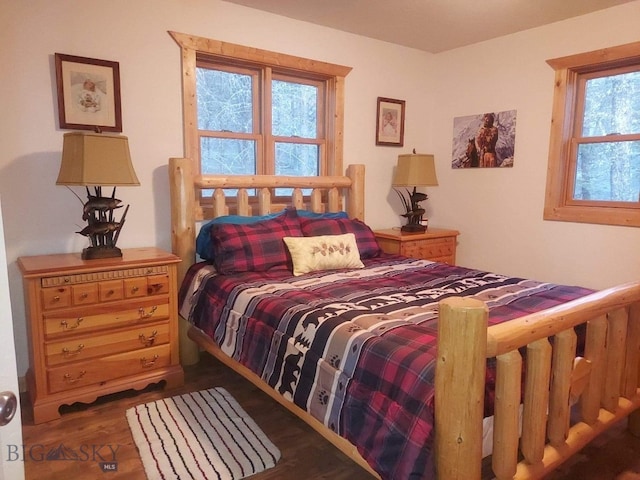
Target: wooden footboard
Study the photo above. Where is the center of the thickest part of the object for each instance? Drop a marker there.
(603, 382)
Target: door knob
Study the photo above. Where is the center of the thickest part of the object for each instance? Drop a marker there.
(8, 407)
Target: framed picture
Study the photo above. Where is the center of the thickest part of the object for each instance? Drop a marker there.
(390, 122)
(484, 140)
(88, 93)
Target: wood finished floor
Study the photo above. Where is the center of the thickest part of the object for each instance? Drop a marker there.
(97, 429)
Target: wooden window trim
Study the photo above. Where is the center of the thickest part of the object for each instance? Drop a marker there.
(191, 46)
(567, 70)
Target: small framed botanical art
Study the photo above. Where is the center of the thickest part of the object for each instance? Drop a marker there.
(88, 93)
(390, 122)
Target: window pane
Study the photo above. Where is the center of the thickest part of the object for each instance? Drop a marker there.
(612, 105)
(608, 172)
(227, 156)
(294, 109)
(224, 101)
(296, 159)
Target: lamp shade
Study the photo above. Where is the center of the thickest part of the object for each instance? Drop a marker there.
(415, 169)
(96, 159)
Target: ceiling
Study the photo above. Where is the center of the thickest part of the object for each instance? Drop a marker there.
(430, 25)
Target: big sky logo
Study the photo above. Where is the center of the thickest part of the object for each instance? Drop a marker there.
(103, 454)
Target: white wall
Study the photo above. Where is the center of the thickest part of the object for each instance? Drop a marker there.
(41, 218)
(499, 211)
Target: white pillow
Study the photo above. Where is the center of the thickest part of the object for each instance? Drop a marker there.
(324, 252)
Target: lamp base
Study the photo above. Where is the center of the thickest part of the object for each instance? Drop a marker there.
(413, 228)
(93, 253)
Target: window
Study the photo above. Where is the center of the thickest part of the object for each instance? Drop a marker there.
(594, 153)
(253, 112)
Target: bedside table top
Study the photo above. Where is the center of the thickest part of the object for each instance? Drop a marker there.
(72, 262)
(397, 234)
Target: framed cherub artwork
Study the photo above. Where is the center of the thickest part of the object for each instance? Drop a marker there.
(390, 122)
(88, 93)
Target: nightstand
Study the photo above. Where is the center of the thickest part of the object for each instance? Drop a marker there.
(99, 326)
(436, 244)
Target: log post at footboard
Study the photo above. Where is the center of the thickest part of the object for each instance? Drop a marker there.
(459, 395)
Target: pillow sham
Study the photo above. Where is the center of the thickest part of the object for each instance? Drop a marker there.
(254, 247)
(365, 239)
(324, 252)
(204, 245)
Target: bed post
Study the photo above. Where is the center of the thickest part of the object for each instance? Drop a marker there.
(183, 238)
(355, 198)
(459, 387)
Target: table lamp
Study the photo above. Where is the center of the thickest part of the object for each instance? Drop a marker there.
(97, 159)
(414, 170)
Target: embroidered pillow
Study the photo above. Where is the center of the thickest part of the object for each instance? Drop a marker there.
(254, 247)
(325, 252)
(365, 239)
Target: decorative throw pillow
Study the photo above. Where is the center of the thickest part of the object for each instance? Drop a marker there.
(325, 252)
(365, 239)
(254, 247)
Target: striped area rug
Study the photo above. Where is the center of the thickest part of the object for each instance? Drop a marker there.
(201, 435)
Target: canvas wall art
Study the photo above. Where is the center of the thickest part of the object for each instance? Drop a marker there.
(485, 140)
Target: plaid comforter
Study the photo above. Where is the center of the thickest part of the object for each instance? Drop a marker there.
(355, 348)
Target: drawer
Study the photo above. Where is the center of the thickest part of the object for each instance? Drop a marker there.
(429, 250)
(58, 297)
(82, 348)
(102, 370)
(135, 287)
(157, 284)
(77, 322)
(111, 290)
(84, 294)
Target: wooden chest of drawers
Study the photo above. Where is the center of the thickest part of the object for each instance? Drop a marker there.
(436, 244)
(99, 326)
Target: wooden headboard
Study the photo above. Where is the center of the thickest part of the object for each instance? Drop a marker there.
(188, 205)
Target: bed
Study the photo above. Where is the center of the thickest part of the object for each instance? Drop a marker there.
(551, 366)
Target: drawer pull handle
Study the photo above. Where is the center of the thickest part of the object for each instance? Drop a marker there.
(68, 379)
(147, 342)
(84, 296)
(68, 353)
(155, 287)
(66, 326)
(148, 363)
(134, 289)
(110, 292)
(143, 314)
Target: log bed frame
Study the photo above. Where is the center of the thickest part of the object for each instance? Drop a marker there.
(605, 382)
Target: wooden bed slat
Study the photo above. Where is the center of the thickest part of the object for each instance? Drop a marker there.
(616, 339)
(536, 400)
(564, 352)
(595, 353)
(507, 415)
(631, 375)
